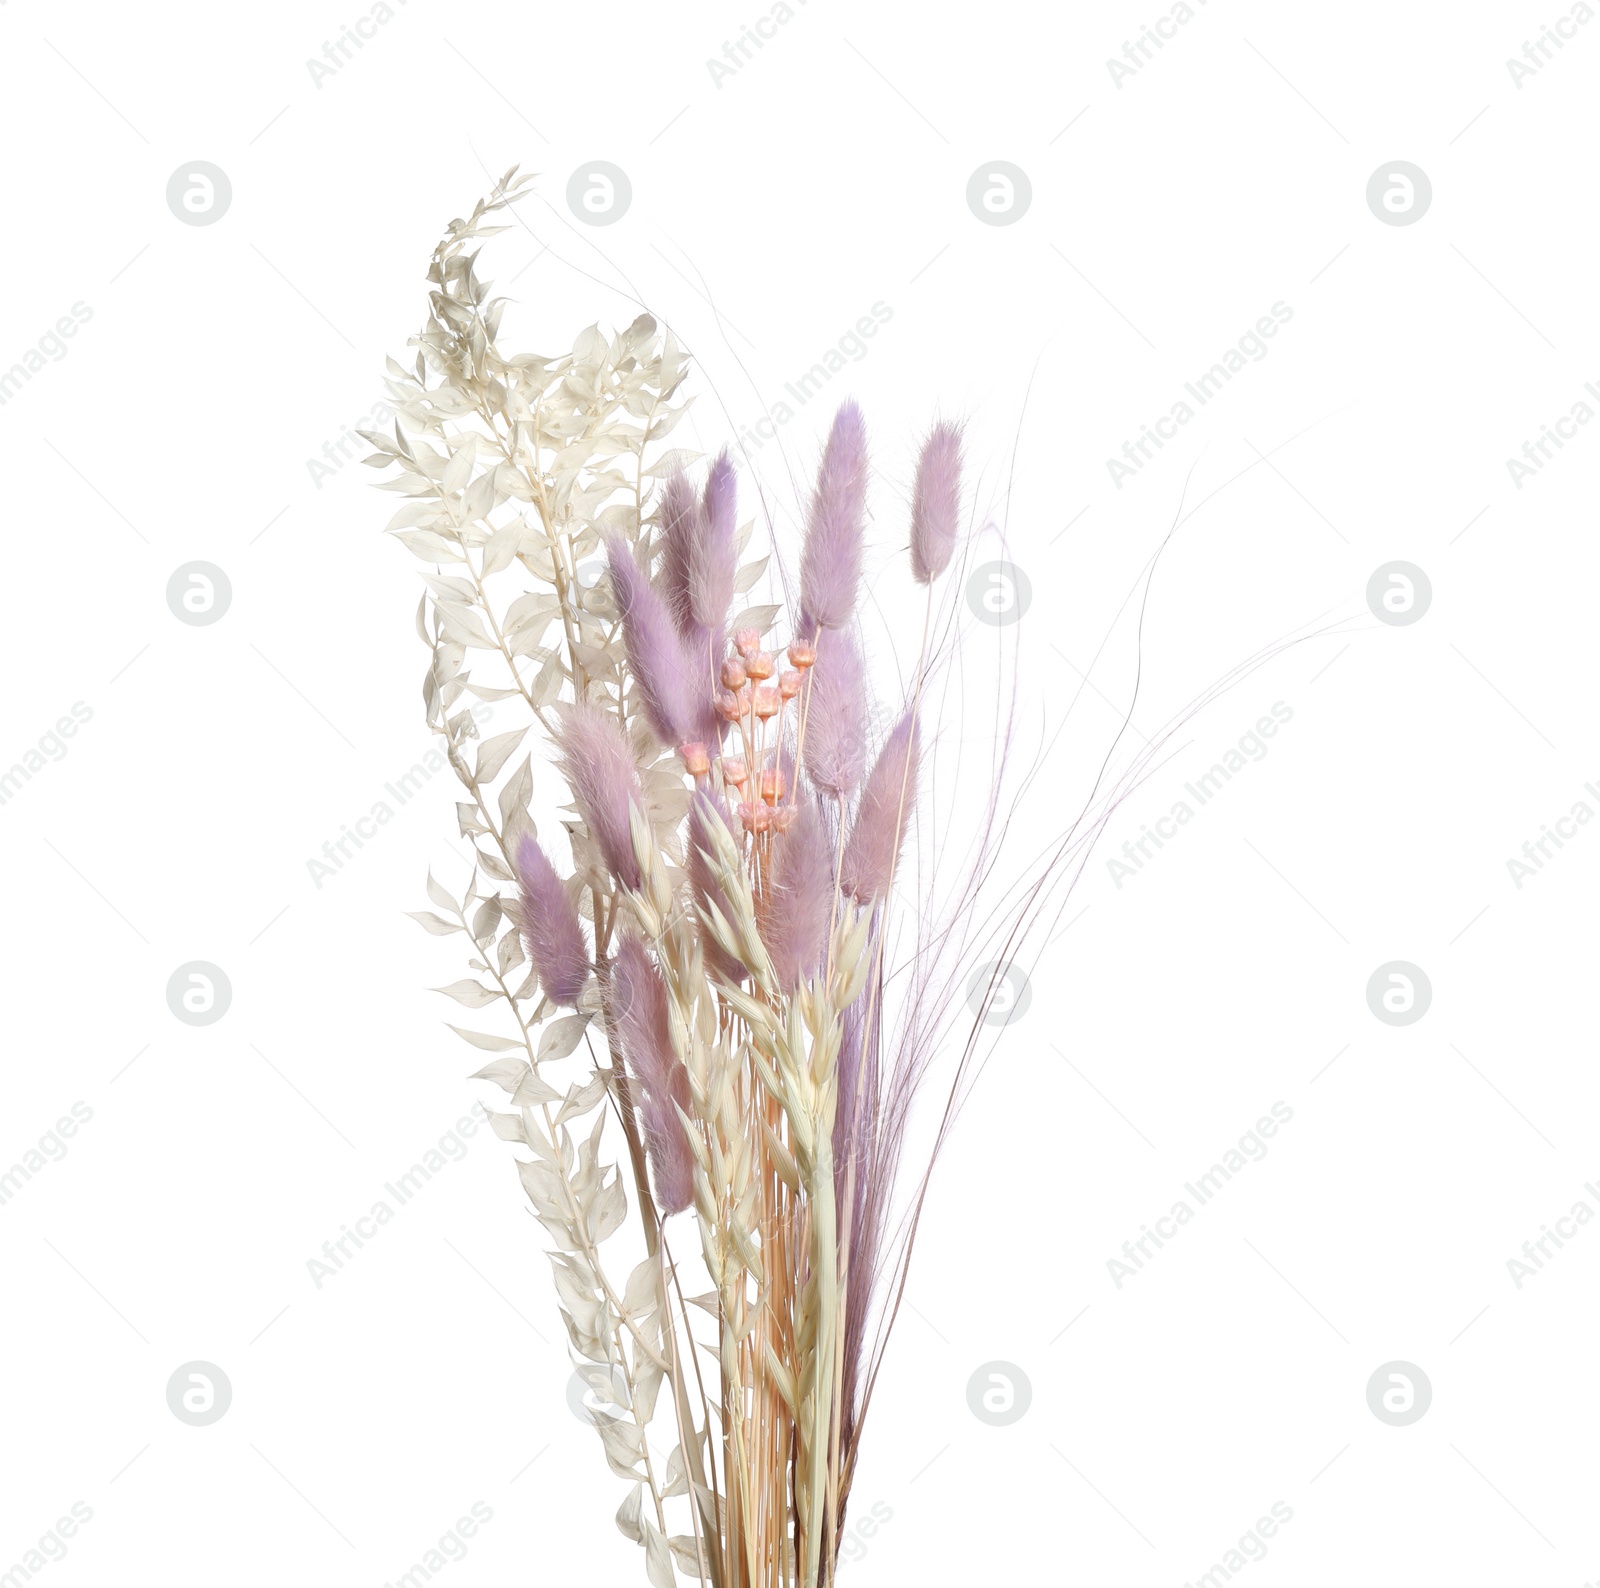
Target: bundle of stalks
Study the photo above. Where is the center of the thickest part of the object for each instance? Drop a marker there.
(713, 914)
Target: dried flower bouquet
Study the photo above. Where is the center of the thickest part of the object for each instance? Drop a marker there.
(722, 925)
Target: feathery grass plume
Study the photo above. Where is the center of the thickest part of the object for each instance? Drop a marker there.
(703, 882)
(835, 748)
(599, 767)
(639, 1006)
(753, 1070)
(884, 815)
(800, 898)
(678, 514)
(857, 1169)
(675, 698)
(830, 561)
(936, 503)
(712, 555)
(551, 931)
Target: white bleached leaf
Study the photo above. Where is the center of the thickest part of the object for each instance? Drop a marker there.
(561, 1036)
(657, 1557)
(624, 1446)
(758, 618)
(531, 1092)
(628, 1514)
(748, 575)
(505, 1073)
(433, 923)
(457, 470)
(580, 1099)
(509, 1127)
(480, 1039)
(473, 994)
(502, 544)
(494, 753)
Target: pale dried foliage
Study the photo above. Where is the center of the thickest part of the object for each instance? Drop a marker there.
(515, 469)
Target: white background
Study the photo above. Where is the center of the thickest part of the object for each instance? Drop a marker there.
(1168, 213)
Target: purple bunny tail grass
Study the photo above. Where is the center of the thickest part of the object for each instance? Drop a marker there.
(712, 555)
(669, 685)
(799, 902)
(598, 763)
(883, 816)
(855, 1120)
(830, 562)
(835, 748)
(665, 1143)
(705, 887)
(679, 511)
(702, 650)
(855, 1138)
(639, 1009)
(551, 932)
(936, 503)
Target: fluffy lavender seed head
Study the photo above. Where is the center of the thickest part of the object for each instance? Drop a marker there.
(883, 816)
(703, 882)
(598, 764)
(835, 748)
(799, 903)
(639, 1008)
(830, 562)
(679, 529)
(936, 503)
(666, 1144)
(551, 932)
(669, 685)
(856, 1116)
(712, 554)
